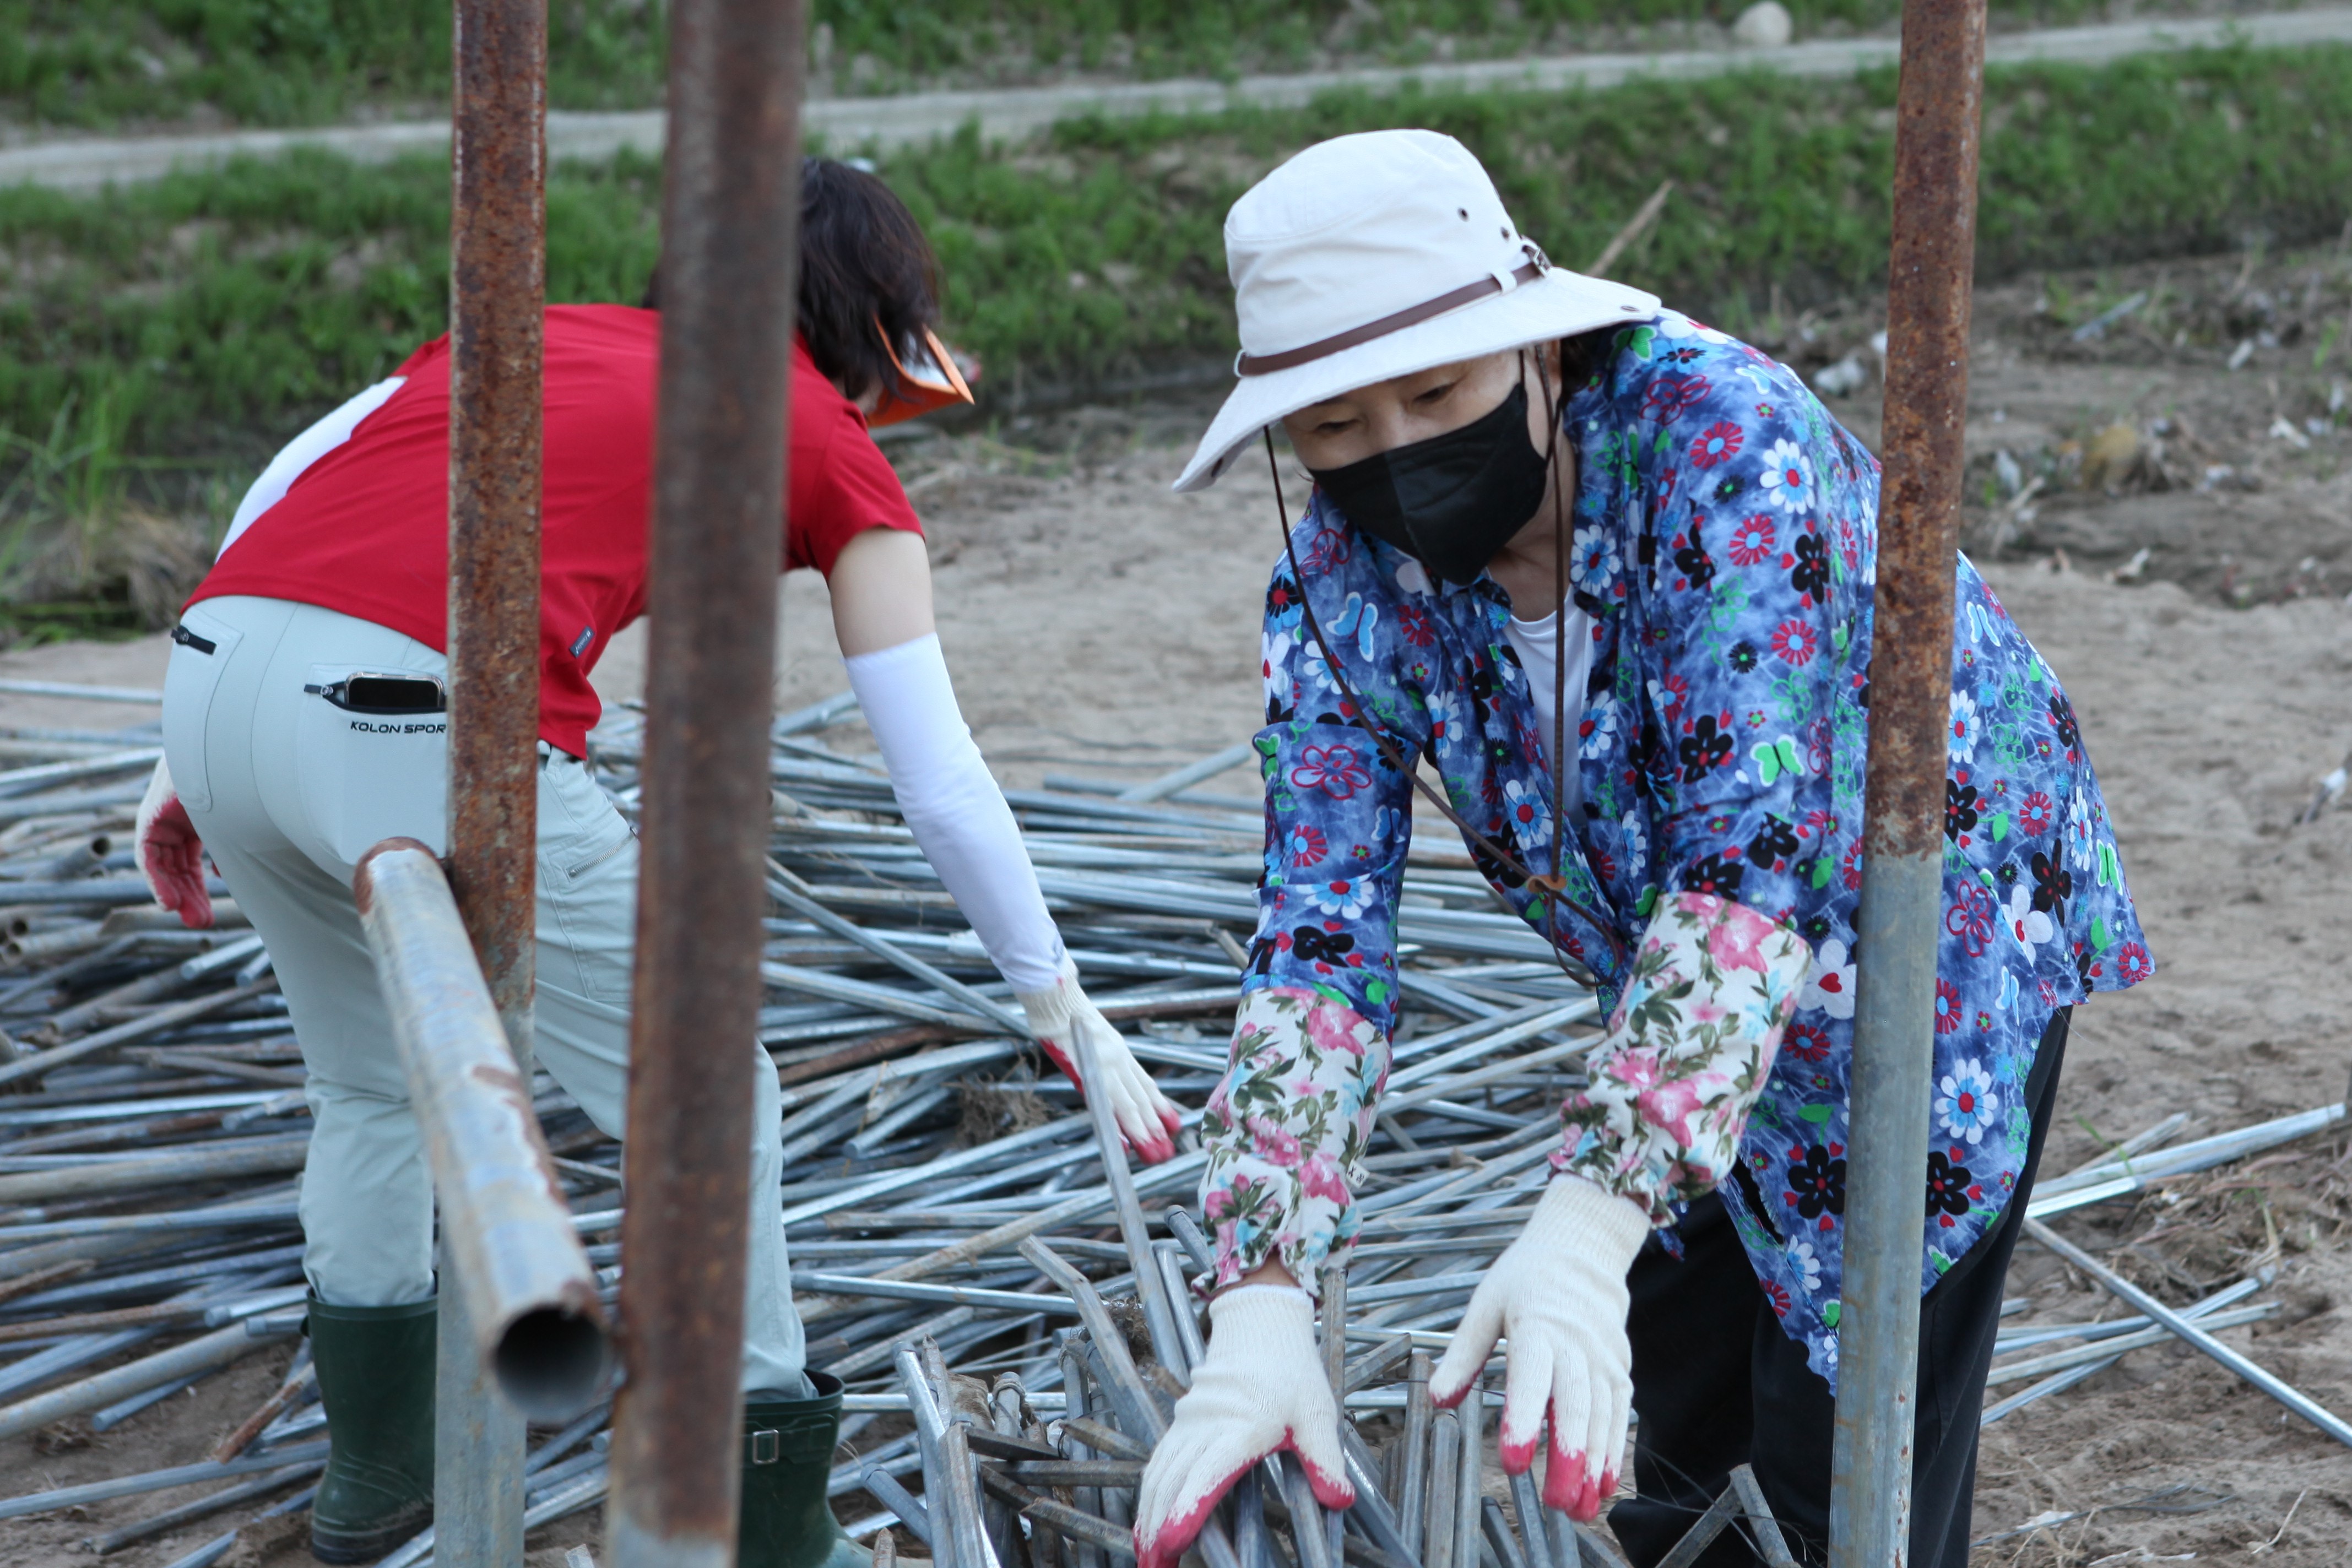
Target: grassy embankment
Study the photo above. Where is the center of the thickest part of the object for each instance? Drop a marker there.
(157, 343)
(97, 63)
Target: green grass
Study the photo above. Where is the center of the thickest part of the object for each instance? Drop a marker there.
(211, 314)
(1153, 38)
(1101, 254)
(157, 344)
(91, 64)
(232, 301)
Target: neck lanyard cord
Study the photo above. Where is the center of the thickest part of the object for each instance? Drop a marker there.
(1564, 757)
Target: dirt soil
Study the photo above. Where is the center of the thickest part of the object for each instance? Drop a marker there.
(1097, 624)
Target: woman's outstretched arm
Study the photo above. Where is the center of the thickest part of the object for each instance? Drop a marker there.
(881, 586)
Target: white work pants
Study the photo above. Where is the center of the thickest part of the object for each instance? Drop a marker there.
(287, 793)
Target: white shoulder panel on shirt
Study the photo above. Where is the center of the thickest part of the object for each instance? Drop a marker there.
(304, 450)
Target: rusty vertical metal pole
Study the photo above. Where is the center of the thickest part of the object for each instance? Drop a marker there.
(1937, 121)
(497, 292)
(729, 227)
(498, 243)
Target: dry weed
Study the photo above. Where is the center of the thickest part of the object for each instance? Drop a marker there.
(990, 1111)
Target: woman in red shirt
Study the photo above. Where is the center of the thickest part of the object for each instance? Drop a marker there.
(304, 722)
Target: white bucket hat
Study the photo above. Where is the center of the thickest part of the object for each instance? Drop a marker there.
(1375, 256)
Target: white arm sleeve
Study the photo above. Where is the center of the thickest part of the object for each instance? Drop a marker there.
(958, 815)
(304, 450)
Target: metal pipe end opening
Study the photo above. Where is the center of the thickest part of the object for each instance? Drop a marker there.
(551, 1364)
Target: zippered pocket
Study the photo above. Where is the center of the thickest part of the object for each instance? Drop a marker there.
(201, 648)
(366, 775)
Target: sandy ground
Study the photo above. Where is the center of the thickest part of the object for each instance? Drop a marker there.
(1097, 624)
(2207, 727)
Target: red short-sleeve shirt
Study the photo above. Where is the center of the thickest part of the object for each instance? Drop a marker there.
(365, 529)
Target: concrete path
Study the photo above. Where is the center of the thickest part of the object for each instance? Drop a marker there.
(846, 124)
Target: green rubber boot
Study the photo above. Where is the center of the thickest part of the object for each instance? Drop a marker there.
(376, 1369)
(787, 1459)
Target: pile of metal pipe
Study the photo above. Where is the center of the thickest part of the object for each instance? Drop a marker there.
(146, 1197)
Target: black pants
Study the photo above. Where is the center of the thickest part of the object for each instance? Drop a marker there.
(1717, 1384)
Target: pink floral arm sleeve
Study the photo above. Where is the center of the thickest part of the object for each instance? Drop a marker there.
(1687, 1049)
(1286, 1129)
(1711, 987)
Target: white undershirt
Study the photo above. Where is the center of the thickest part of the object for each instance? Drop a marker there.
(1532, 642)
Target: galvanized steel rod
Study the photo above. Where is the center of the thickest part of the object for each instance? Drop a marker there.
(1130, 1394)
(1413, 1471)
(497, 293)
(1762, 1524)
(1937, 119)
(523, 1300)
(479, 1439)
(216, 1349)
(930, 1424)
(1527, 1502)
(1472, 1413)
(1371, 1508)
(1170, 1256)
(1159, 1311)
(1307, 1524)
(731, 207)
(1444, 1475)
(1507, 1550)
(1074, 1385)
(2179, 1322)
(57, 1498)
(788, 891)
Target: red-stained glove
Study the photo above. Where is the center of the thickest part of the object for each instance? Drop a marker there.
(1146, 1118)
(1261, 1389)
(170, 853)
(1559, 1294)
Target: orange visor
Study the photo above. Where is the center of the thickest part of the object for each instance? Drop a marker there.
(932, 382)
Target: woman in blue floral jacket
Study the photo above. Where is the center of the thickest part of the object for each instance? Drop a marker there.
(1699, 859)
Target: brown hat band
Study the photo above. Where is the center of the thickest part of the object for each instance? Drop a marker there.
(1412, 316)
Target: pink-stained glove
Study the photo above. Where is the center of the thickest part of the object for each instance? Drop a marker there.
(170, 854)
(1260, 1388)
(1146, 1118)
(1559, 1294)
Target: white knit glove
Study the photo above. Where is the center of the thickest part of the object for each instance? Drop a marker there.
(1146, 1118)
(1260, 1388)
(1559, 1294)
(170, 854)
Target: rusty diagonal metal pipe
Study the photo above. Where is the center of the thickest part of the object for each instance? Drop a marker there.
(1939, 118)
(530, 1295)
(729, 231)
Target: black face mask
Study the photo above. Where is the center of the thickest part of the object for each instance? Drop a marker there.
(1451, 502)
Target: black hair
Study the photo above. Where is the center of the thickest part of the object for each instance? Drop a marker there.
(864, 262)
(1583, 357)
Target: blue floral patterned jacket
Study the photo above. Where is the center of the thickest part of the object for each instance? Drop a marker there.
(1725, 547)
